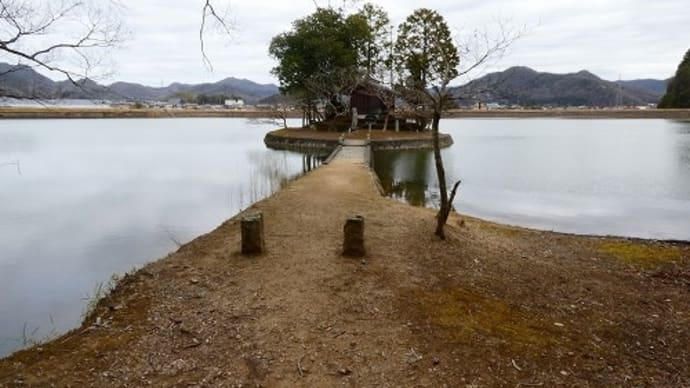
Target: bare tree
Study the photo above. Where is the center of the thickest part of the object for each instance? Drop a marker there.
(478, 52)
(427, 60)
(73, 37)
(67, 37)
(277, 112)
(220, 21)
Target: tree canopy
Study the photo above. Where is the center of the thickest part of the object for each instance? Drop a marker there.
(426, 60)
(375, 51)
(328, 53)
(678, 91)
(319, 58)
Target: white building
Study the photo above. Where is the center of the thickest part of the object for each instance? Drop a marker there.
(234, 103)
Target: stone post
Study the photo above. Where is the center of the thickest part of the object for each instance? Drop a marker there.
(397, 125)
(353, 244)
(354, 119)
(252, 226)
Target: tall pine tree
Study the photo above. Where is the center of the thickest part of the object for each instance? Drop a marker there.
(678, 91)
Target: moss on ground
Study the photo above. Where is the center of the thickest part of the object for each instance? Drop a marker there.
(463, 315)
(638, 254)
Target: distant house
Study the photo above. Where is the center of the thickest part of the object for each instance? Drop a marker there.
(234, 103)
(175, 101)
(368, 97)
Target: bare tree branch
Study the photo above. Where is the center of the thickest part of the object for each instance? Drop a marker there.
(454, 191)
(222, 23)
(38, 34)
(483, 47)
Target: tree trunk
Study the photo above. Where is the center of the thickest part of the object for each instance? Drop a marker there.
(444, 210)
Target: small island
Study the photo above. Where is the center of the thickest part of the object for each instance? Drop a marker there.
(309, 140)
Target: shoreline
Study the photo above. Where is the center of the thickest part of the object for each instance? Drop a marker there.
(302, 139)
(680, 114)
(300, 314)
(65, 113)
(112, 113)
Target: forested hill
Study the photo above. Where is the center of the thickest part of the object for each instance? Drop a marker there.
(514, 86)
(526, 87)
(23, 81)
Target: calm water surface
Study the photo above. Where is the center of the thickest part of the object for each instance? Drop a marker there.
(81, 200)
(617, 177)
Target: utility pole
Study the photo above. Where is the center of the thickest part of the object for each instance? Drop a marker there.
(619, 93)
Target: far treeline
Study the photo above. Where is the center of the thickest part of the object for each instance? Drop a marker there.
(204, 99)
(678, 91)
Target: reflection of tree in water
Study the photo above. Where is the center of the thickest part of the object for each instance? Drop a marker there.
(311, 162)
(405, 175)
(268, 174)
(683, 152)
(270, 171)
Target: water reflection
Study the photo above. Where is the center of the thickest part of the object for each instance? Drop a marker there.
(405, 175)
(312, 161)
(620, 177)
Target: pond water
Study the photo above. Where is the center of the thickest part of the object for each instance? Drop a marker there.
(81, 200)
(605, 177)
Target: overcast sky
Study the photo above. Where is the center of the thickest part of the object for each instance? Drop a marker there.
(630, 38)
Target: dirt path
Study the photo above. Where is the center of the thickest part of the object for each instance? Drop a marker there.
(492, 306)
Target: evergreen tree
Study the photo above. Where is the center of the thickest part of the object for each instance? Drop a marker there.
(678, 91)
(427, 60)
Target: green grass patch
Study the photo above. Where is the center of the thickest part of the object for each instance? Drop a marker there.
(465, 316)
(640, 254)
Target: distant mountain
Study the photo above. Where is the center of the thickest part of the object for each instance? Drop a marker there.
(526, 87)
(514, 86)
(652, 85)
(23, 81)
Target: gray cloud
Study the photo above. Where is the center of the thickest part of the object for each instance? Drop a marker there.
(632, 38)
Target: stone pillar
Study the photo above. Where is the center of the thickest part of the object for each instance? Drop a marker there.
(397, 125)
(252, 226)
(353, 244)
(354, 119)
